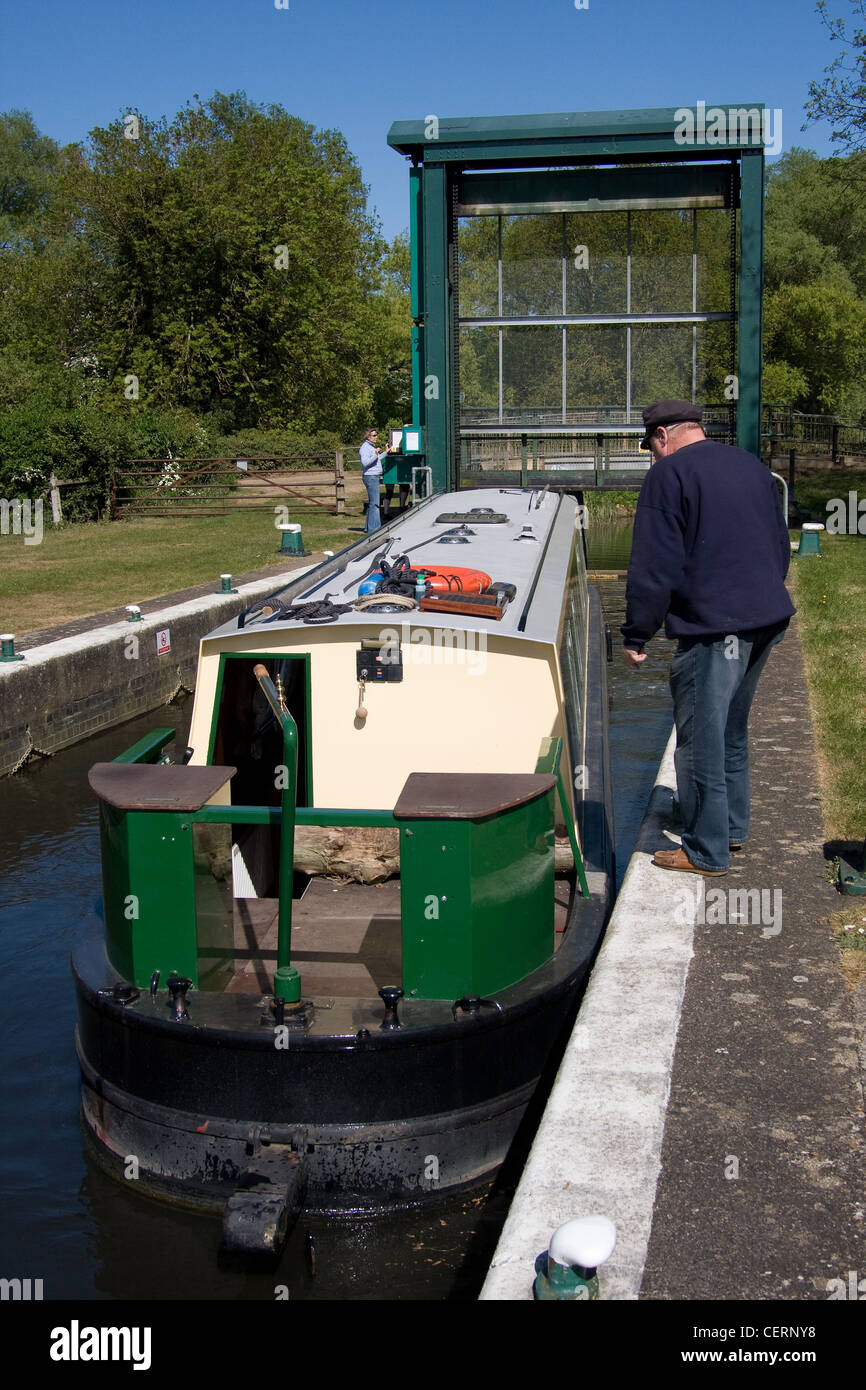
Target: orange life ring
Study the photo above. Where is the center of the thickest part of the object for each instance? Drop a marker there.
(455, 580)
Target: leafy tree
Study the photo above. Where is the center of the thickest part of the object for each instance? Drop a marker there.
(820, 330)
(237, 262)
(841, 97)
(391, 337)
(44, 273)
(815, 286)
(29, 167)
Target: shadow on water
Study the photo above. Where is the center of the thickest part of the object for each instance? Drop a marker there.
(83, 1233)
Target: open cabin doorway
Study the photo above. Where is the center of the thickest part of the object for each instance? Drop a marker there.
(247, 735)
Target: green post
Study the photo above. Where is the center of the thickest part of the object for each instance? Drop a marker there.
(750, 289)
(287, 981)
(435, 381)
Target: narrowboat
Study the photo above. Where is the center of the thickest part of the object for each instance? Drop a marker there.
(262, 1038)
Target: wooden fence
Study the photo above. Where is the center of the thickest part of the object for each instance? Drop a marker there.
(216, 486)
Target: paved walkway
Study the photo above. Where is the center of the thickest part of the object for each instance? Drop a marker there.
(762, 1192)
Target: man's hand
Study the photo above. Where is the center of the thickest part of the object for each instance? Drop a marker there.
(633, 658)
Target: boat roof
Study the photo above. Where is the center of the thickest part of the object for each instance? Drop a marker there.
(519, 536)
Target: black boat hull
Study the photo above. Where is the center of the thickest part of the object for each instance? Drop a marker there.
(381, 1121)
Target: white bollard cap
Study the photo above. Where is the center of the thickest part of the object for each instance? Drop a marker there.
(288, 526)
(812, 526)
(587, 1242)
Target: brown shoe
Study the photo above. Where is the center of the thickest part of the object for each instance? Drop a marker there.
(679, 861)
(736, 846)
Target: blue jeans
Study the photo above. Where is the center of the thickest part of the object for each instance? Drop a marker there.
(713, 681)
(371, 483)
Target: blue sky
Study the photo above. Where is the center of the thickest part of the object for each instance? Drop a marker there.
(358, 65)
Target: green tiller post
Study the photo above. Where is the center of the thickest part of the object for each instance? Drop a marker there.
(287, 981)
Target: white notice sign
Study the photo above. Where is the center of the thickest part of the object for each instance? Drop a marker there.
(163, 641)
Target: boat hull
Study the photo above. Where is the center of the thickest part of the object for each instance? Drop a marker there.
(200, 1160)
(388, 1120)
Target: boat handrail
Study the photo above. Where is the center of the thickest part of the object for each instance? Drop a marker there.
(521, 624)
(147, 749)
(368, 545)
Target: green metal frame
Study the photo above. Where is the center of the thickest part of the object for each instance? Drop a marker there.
(530, 148)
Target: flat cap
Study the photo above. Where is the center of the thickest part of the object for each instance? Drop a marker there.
(668, 413)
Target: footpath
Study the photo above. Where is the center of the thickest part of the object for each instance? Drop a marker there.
(711, 1099)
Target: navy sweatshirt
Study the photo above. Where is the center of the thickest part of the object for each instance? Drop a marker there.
(710, 549)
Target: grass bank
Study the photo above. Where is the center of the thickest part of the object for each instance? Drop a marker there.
(812, 491)
(90, 567)
(830, 594)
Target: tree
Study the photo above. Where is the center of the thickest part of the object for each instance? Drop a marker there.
(815, 284)
(237, 262)
(391, 337)
(841, 97)
(820, 330)
(30, 164)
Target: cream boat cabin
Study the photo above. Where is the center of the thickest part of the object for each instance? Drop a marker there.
(475, 695)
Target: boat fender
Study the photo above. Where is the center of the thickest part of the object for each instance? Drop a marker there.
(371, 584)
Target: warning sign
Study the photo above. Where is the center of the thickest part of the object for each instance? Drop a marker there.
(163, 641)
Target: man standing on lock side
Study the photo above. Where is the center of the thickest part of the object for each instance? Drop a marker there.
(709, 557)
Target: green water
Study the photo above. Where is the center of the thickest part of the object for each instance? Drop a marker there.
(608, 542)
